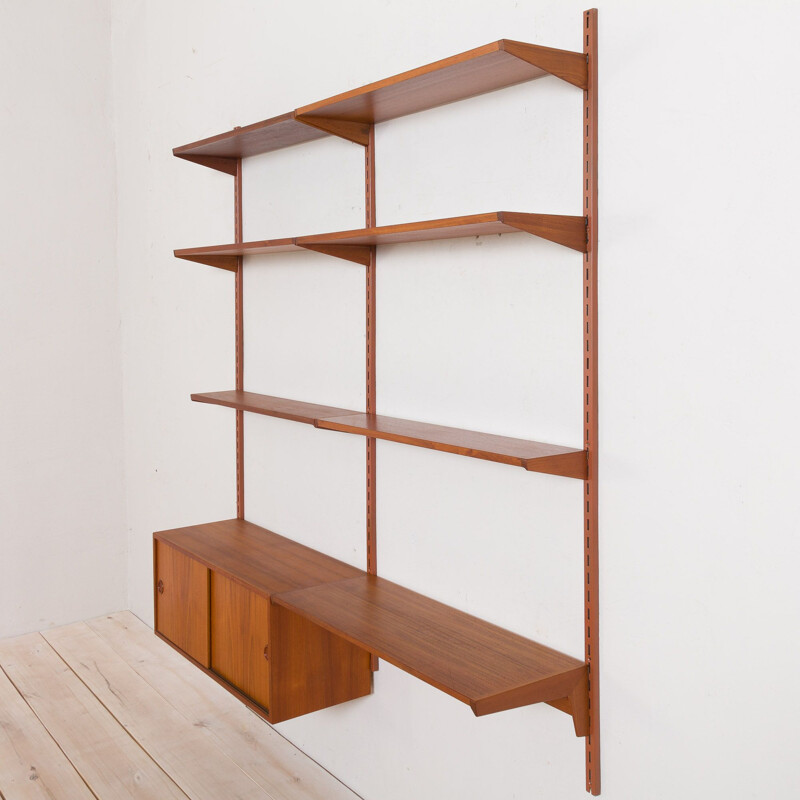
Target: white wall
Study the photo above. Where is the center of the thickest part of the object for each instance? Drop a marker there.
(698, 300)
(62, 537)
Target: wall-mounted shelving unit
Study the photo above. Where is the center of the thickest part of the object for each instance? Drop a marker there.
(290, 630)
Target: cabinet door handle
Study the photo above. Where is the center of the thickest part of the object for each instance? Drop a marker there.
(266, 652)
(160, 587)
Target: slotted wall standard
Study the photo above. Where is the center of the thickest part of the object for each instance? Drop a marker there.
(290, 630)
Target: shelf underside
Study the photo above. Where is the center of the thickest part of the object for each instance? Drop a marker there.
(533, 456)
(476, 662)
(354, 245)
(349, 115)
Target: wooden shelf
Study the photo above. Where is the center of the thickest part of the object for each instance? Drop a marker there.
(354, 245)
(226, 256)
(349, 115)
(565, 230)
(474, 661)
(484, 69)
(294, 410)
(551, 459)
(221, 151)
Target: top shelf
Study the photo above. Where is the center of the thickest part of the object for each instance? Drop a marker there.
(349, 115)
(221, 151)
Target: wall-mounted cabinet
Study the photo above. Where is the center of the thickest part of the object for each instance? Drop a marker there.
(215, 602)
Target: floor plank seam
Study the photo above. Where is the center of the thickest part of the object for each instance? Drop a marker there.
(261, 720)
(46, 729)
(111, 714)
(310, 758)
(77, 687)
(269, 796)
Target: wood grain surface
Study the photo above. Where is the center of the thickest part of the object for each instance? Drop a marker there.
(258, 749)
(188, 754)
(32, 766)
(349, 115)
(481, 664)
(484, 69)
(256, 557)
(281, 407)
(240, 637)
(312, 667)
(182, 601)
(353, 245)
(110, 762)
(533, 456)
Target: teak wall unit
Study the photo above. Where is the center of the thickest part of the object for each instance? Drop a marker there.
(290, 630)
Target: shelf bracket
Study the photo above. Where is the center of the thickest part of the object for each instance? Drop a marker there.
(570, 67)
(230, 263)
(570, 465)
(358, 254)
(558, 690)
(227, 165)
(564, 230)
(357, 132)
(576, 704)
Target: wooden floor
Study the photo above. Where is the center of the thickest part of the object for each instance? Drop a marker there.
(103, 709)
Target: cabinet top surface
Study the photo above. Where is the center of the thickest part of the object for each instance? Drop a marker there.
(265, 561)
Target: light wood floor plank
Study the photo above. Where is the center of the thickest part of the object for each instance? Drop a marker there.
(111, 763)
(31, 765)
(188, 754)
(265, 755)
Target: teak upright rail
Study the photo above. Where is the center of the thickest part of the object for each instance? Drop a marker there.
(290, 630)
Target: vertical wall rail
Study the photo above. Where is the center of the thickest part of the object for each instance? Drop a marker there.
(369, 208)
(238, 233)
(590, 401)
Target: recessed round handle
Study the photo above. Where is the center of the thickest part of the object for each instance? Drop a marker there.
(160, 587)
(266, 652)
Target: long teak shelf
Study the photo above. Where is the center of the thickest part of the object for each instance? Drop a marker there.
(551, 459)
(349, 115)
(479, 663)
(281, 407)
(476, 662)
(222, 151)
(354, 245)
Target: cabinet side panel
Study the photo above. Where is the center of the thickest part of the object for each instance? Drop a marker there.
(312, 668)
(182, 602)
(239, 638)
